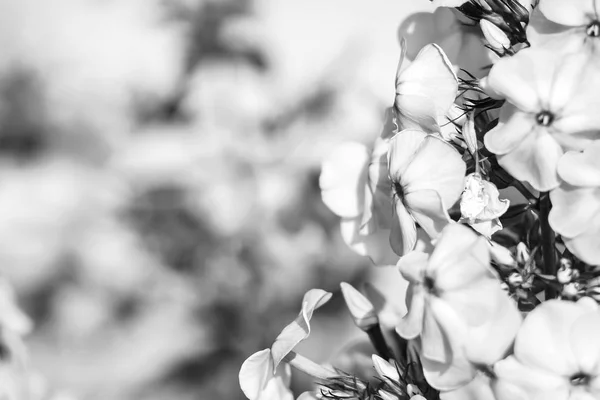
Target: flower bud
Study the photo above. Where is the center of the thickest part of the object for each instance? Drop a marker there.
(570, 290)
(515, 279)
(496, 38)
(385, 369)
(386, 395)
(360, 307)
(413, 390)
(522, 253)
(564, 274)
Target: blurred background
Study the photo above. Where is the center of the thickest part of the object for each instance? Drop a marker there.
(160, 215)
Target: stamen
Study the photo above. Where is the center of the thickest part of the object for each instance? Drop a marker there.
(544, 118)
(593, 29)
(580, 379)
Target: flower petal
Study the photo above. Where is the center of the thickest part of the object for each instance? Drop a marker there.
(436, 166)
(426, 89)
(571, 209)
(343, 179)
(299, 329)
(514, 78)
(513, 127)
(585, 342)
(478, 389)
(413, 265)
(587, 246)
(543, 340)
(428, 210)
(375, 245)
(276, 390)
(404, 230)
(537, 383)
(581, 169)
(571, 13)
(534, 160)
(402, 149)
(255, 373)
(411, 325)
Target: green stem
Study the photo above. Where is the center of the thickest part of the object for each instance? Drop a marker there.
(548, 248)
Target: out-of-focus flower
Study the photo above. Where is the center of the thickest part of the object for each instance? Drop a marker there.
(427, 176)
(478, 389)
(355, 185)
(481, 206)
(566, 26)
(425, 90)
(457, 308)
(262, 376)
(551, 107)
(461, 42)
(575, 212)
(556, 354)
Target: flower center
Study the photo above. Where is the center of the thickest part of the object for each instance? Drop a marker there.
(580, 379)
(593, 29)
(544, 118)
(429, 284)
(398, 189)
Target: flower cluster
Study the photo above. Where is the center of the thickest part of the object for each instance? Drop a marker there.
(484, 190)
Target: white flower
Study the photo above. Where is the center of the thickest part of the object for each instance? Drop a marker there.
(556, 354)
(456, 308)
(427, 178)
(551, 107)
(575, 212)
(480, 205)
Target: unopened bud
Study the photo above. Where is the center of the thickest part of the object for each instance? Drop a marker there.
(413, 390)
(495, 36)
(385, 369)
(515, 279)
(522, 253)
(386, 395)
(564, 275)
(570, 290)
(360, 307)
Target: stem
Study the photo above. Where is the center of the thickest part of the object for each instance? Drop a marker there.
(525, 192)
(376, 336)
(309, 367)
(548, 250)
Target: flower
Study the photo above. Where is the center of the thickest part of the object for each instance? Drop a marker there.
(456, 308)
(556, 354)
(551, 107)
(425, 90)
(566, 26)
(355, 185)
(575, 212)
(480, 205)
(427, 177)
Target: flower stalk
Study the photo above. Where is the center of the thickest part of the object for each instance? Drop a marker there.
(548, 240)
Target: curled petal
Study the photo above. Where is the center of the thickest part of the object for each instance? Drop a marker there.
(412, 324)
(299, 329)
(255, 373)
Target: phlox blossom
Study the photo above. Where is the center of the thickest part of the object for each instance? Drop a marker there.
(355, 185)
(551, 107)
(556, 354)
(480, 205)
(575, 212)
(566, 26)
(456, 308)
(427, 178)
